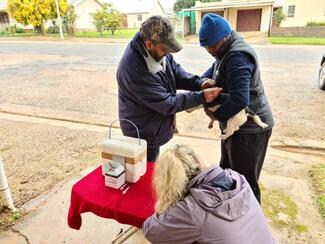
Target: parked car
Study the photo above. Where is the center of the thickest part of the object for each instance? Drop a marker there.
(321, 76)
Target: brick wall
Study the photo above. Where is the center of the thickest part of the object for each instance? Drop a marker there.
(309, 31)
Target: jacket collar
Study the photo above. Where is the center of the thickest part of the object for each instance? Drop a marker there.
(206, 175)
(226, 46)
(152, 65)
(230, 204)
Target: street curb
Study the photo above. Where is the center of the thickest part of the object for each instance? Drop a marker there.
(299, 144)
(281, 142)
(68, 40)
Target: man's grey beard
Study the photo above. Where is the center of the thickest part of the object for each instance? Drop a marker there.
(156, 56)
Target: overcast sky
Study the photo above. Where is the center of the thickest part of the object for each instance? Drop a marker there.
(167, 3)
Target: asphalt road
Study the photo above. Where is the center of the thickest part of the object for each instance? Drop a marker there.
(109, 54)
(76, 81)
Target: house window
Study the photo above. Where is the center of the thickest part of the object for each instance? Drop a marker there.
(4, 18)
(291, 10)
(139, 17)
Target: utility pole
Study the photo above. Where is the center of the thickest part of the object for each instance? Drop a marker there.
(59, 18)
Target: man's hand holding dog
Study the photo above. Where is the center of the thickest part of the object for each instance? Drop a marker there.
(211, 93)
(207, 83)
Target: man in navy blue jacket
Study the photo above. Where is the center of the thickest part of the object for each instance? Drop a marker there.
(148, 78)
(236, 70)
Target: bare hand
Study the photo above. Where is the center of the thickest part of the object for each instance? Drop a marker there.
(207, 83)
(211, 93)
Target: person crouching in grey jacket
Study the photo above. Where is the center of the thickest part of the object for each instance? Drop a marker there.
(202, 206)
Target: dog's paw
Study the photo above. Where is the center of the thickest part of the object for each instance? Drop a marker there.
(210, 126)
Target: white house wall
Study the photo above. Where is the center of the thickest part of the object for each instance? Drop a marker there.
(133, 18)
(83, 10)
(314, 10)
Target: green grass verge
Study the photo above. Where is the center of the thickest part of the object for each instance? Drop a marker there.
(119, 34)
(297, 40)
(9, 219)
(317, 174)
(16, 34)
(281, 210)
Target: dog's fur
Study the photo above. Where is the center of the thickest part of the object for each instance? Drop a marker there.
(235, 122)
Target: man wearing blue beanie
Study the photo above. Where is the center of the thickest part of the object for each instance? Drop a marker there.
(236, 70)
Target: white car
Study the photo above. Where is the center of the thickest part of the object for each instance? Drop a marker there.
(321, 76)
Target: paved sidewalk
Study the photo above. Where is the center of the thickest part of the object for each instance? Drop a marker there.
(48, 223)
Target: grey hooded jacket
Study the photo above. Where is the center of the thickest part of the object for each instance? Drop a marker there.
(212, 212)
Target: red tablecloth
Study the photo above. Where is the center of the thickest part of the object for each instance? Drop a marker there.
(91, 195)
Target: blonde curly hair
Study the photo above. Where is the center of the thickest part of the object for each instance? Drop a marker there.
(173, 171)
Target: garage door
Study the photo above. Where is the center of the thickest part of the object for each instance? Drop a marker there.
(249, 20)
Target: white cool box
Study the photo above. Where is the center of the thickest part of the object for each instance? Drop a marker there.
(123, 159)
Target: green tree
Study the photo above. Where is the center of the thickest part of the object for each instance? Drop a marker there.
(99, 20)
(69, 20)
(63, 6)
(107, 18)
(278, 16)
(113, 21)
(35, 12)
(209, 1)
(180, 4)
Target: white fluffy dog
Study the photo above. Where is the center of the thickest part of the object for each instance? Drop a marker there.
(233, 123)
(236, 121)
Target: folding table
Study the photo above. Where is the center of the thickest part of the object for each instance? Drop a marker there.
(132, 208)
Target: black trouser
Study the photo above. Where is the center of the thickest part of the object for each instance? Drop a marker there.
(245, 154)
(152, 154)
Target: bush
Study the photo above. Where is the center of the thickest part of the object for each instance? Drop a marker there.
(19, 30)
(278, 17)
(53, 29)
(314, 23)
(69, 20)
(3, 30)
(12, 29)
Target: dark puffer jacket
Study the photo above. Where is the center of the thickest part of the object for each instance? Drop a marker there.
(148, 97)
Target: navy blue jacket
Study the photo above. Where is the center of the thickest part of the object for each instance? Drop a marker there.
(149, 99)
(236, 70)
